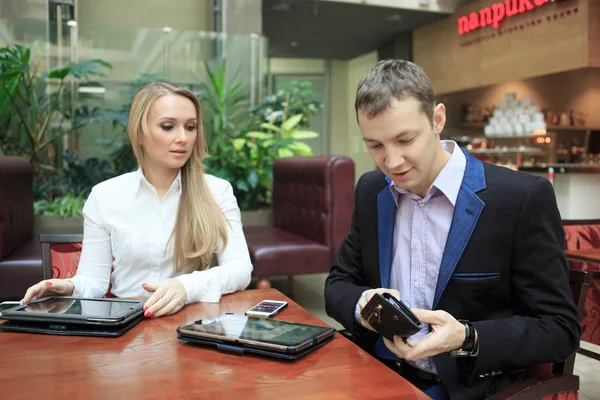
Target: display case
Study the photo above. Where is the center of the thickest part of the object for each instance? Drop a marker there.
(557, 145)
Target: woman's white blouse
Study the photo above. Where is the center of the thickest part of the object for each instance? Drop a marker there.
(124, 219)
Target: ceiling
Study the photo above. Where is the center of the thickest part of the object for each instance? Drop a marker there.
(335, 30)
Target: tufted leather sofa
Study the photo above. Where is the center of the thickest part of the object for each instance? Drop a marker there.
(313, 200)
(20, 252)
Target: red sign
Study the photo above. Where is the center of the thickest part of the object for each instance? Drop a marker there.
(496, 13)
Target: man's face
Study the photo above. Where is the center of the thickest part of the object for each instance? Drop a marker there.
(403, 143)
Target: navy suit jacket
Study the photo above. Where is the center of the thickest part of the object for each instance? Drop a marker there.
(503, 269)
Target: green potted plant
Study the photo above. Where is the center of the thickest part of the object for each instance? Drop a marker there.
(244, 143)
(35, 114)
(33, 121)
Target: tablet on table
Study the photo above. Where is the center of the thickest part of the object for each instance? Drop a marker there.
(239, 334)
(66, 315)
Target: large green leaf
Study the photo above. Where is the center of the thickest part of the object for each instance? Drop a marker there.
(283, 153)
(291, 122)
(9, 82)
(58, 73)
(268, 143)
(15, 57)
(14, 62)
(300, 135)
(85, 69)
(301, 147)
(238, 143)
(271, 127)
(260, 135)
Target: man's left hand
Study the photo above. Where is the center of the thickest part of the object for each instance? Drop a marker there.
(446, 334)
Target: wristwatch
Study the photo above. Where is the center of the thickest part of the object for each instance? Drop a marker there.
(469, 344)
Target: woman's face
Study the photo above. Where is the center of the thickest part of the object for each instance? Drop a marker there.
(172, 132)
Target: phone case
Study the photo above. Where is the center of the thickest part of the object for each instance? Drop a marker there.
(390, 316)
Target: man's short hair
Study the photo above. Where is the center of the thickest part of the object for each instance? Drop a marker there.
(394, 79)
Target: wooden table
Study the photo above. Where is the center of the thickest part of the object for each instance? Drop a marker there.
(148, 362)
(587, 255)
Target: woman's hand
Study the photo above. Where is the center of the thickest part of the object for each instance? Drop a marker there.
(168, 298)
(60, 287)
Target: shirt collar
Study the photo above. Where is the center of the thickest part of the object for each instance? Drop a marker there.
(448, 180)
(143, 182)
(450, 177)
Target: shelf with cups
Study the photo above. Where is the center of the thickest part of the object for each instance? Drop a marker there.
(580, 128)
(509, 150)
(577, 128)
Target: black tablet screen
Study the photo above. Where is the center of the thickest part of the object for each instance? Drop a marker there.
(91, 307)
(258, 329)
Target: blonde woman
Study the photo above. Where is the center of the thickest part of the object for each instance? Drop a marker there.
(158, 228)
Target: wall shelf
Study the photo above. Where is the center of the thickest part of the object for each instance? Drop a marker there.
(514, 150)
(507, 137)
(475, 125)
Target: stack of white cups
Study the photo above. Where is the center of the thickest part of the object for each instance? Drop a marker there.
(515, 118)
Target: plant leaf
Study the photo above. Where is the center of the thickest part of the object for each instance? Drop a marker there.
(253, 178)
(271, 127)
(85, 69)
(283, 153)
(300, 135)
(58, 73)
(301, 147)
(259, 135)
(238, 143)
(291, 122)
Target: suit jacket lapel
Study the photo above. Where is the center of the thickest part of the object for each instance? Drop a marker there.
(386, 213)
(467, 210)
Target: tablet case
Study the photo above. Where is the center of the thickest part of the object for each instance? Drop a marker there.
(241, 349)
(69, 319)
(53, 328)
(390, 316)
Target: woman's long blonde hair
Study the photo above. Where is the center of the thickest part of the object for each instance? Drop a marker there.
(200, 221)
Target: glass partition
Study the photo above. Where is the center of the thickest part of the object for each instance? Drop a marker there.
(176, 55)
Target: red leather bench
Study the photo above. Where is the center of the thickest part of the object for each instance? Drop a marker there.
(20, 252)
(313, 201)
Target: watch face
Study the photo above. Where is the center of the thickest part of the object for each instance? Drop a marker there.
(459, 353)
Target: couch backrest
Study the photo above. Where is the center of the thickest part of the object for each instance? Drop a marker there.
(582, 234)
(313, 197)
(16, 203)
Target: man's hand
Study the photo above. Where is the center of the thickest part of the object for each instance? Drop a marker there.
(168, 298)
(447, 334)
(57, 287)
(368, 294)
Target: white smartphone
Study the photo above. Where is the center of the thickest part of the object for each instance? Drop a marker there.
(5, 305)
(267, 308)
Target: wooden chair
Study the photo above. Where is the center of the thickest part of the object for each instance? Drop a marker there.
(552, 381)
(60, 255)
(585, 235)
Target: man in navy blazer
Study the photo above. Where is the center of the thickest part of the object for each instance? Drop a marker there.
(476, 250)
